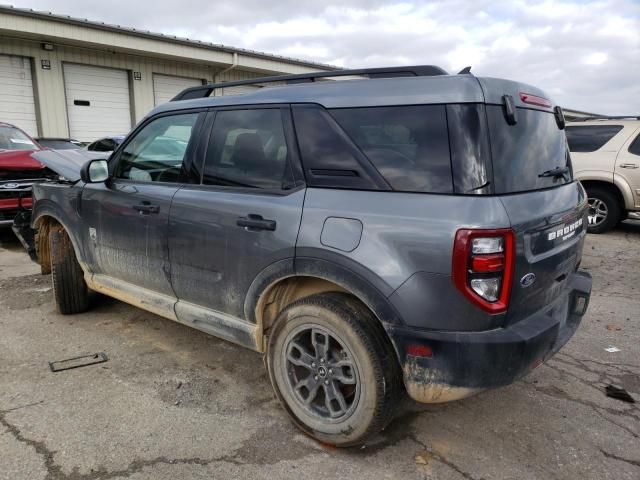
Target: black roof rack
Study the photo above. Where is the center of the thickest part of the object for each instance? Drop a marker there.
(388, 72)
(606, 117)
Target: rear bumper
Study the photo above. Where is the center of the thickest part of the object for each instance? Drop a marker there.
(464, 363)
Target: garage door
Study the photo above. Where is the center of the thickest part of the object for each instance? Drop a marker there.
(240, 89)
(165, 87)
(17, 105)
(98, 101)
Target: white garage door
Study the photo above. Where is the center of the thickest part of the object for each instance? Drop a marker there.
(98, 101)
(240, 89)
(165, 87)
(17, 105)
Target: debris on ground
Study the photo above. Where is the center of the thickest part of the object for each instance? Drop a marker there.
(77, 362)
(612, 349)
(614, 328)
(423, 457)
(619, 394)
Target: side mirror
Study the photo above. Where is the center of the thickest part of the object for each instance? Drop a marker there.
(94, 171)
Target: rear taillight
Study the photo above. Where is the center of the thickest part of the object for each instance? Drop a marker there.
(483, 267)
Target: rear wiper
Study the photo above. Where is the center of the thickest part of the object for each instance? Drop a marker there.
(556, 172)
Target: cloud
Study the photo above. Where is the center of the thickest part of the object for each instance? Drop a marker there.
(585, 53)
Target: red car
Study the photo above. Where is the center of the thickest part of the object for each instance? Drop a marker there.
(17, 170)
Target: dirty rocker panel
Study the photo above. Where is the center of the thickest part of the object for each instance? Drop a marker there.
(209, 321)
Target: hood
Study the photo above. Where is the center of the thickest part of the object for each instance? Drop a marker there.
(18, 160)
(67, 163)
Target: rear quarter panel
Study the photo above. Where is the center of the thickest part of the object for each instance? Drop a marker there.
(406, 246)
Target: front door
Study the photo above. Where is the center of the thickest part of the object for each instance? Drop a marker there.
(128, 216)
(243, 217)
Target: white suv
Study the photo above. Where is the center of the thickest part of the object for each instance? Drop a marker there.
(606, 158)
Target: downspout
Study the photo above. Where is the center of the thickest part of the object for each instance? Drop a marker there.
(234, 64)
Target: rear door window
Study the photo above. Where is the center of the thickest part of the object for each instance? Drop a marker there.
(525, 154)
(408, 145)
(590, 138)
(248, 149)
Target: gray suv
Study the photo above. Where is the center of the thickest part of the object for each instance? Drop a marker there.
(399, 230)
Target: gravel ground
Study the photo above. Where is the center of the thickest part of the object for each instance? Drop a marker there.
(173, 402)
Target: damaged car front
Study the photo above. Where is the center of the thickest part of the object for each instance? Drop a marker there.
(60, 187)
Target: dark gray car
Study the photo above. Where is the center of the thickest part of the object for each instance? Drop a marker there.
(407, 230)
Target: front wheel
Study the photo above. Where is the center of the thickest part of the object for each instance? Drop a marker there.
(333, 369)
(604, 210)
(69, 288)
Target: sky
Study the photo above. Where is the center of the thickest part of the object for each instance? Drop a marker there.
(584, 54)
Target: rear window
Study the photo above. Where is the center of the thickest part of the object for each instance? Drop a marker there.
(590, 138)
(408, 145)
(523, 154)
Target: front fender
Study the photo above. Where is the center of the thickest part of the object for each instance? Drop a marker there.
(59, 202)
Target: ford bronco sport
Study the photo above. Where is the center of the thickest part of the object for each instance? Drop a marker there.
(606, 159)
(403, 229)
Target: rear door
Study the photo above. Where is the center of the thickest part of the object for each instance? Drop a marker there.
(628, 165)
(547, 210)
(128, 216)
(244, 216)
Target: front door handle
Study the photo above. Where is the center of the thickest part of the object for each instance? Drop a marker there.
(628, 165)
(256, 222)
(146, 208)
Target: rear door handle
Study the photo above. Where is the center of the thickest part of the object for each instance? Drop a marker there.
(628, 165)
(146, 208)
(256, 222)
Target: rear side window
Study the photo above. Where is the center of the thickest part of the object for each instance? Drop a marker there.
(408, 145)
(248, 149)
(635, 146)
(590, 138)
(329, 157)
(526, 154)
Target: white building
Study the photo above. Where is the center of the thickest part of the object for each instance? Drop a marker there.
(68, 77)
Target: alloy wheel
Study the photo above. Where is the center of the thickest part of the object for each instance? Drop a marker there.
(598, 211)
(321, 372)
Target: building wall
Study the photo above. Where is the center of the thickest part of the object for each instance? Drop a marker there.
(49, 89)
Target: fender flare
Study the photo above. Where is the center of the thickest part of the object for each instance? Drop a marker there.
(333, 267)
(625, 190)
(44, 208)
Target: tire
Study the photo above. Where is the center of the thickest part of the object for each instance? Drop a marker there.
(69, 288)
(604, 210)
(41, 240)
(360, 368)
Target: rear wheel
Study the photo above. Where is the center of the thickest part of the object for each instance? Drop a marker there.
(69, 288)
(604, 210)
(333, 369)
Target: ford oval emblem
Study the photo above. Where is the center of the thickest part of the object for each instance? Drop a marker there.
(528, 280)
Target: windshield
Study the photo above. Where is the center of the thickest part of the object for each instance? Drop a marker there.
(530, 155)
(13, 139)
